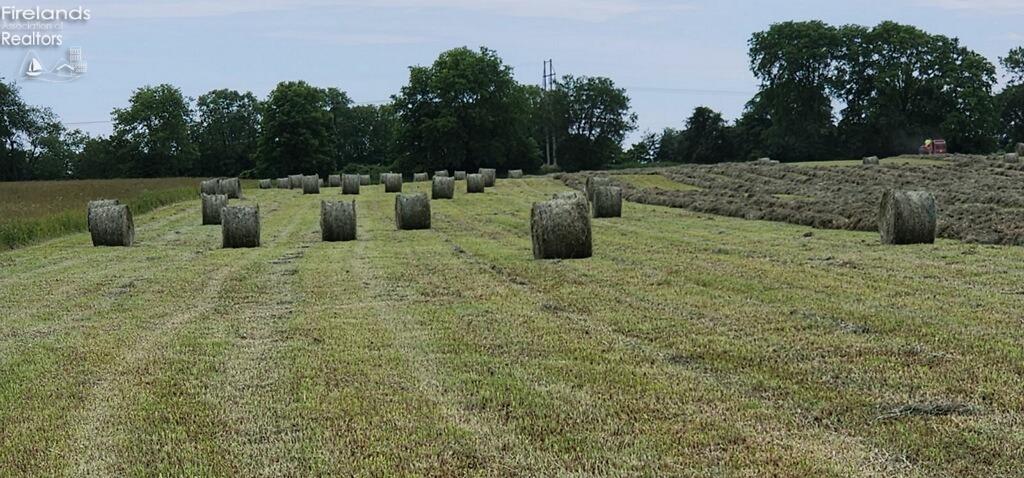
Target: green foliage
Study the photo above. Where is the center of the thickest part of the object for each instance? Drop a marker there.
(464, 112)
(592, 118)
(152, 136)
(226, 132)
(297, 131)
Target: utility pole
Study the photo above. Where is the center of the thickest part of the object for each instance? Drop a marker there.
(548, 85)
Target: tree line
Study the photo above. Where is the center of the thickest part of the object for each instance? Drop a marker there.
(826, 92)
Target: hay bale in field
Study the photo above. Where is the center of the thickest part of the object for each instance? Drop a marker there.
(474, 183)
(265, 184)
(441, 174)
(412, 211)
(112, 225)
(1011, 158)
(240, 226)
(443, 188)
(295, 181)
(95, 205)
(560, 228)
(871, 160)
(607, 201)
(594, 182)
(282, 183)
(907, 217)
(210, 186)
(337, 221)
(515, 174)
(1020, 149)
(364, 180)
(311, 184)
(490, 176)
(460, 175)
(212, 205)
(392, 182)
(350, 184)
(334, 181)
(420, 177)
(320, 181)
(232, 187)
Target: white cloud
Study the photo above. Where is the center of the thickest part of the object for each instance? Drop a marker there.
(348, 39)
(586, 10)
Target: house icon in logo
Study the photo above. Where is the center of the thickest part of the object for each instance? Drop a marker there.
(64, 70)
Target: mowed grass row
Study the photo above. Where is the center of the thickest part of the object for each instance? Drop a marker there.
(31, 211)
(688, 345)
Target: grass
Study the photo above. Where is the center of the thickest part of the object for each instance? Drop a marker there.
(654, 181)
(898, 160)
(688, 345)
(38, 210)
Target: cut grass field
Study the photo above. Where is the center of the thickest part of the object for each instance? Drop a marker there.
(31, 211)
(688, 345)
(654, 181)
(896, 160)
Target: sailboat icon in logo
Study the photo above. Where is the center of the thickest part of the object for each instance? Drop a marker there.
(34, 68)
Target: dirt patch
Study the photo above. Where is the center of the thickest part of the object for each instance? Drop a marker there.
(980, 199)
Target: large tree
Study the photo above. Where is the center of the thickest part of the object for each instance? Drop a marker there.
(595, 117)
(30, 139)
(296, 131)
(1010, 101)
(153, 133)
(464, 111)
(226, 132)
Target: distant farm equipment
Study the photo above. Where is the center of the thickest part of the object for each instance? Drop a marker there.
(933, 146)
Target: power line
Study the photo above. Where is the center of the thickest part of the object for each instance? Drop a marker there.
(699, 91)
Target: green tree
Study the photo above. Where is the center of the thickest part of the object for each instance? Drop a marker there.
(296, 132)
(595, 118)
(1010, 101)
(644, 151)
(463, 112)
(796, 65)
(20, 127)
(370, 132)
(226, 132)
(153, 133)
(706, 138)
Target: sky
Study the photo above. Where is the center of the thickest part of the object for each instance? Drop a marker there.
(671, 56)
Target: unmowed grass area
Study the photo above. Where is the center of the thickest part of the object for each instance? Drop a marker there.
(689, 345)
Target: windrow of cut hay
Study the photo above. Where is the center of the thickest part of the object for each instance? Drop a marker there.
(980, 198)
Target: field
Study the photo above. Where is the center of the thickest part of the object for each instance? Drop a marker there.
(690, 344)
(980, 200)
(36, 210)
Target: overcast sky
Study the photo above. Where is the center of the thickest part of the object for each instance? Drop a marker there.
(671, 55)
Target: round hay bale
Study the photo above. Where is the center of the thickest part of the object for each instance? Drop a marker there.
(460, 175)
(232, 187)
(320, 181)
(1020, 149)
(112, 225)
(871, 160)
(1011, 158)
(490, 176)
(607, 201)
(311, 184)
(515, 174)
(212, 205)
(282, 183)
(210, 186)
(240, 226)
(350, 184)
(392, 182)
(412, 211)
(560, 228)
(295, 181)
(265, 184)
(907, 217)
(337, 221)
(420, 177)
(95, 205)
(474, 183)
(441, 174)
(594, 182)
(364, 180)
(443, 188)
(334, 181)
